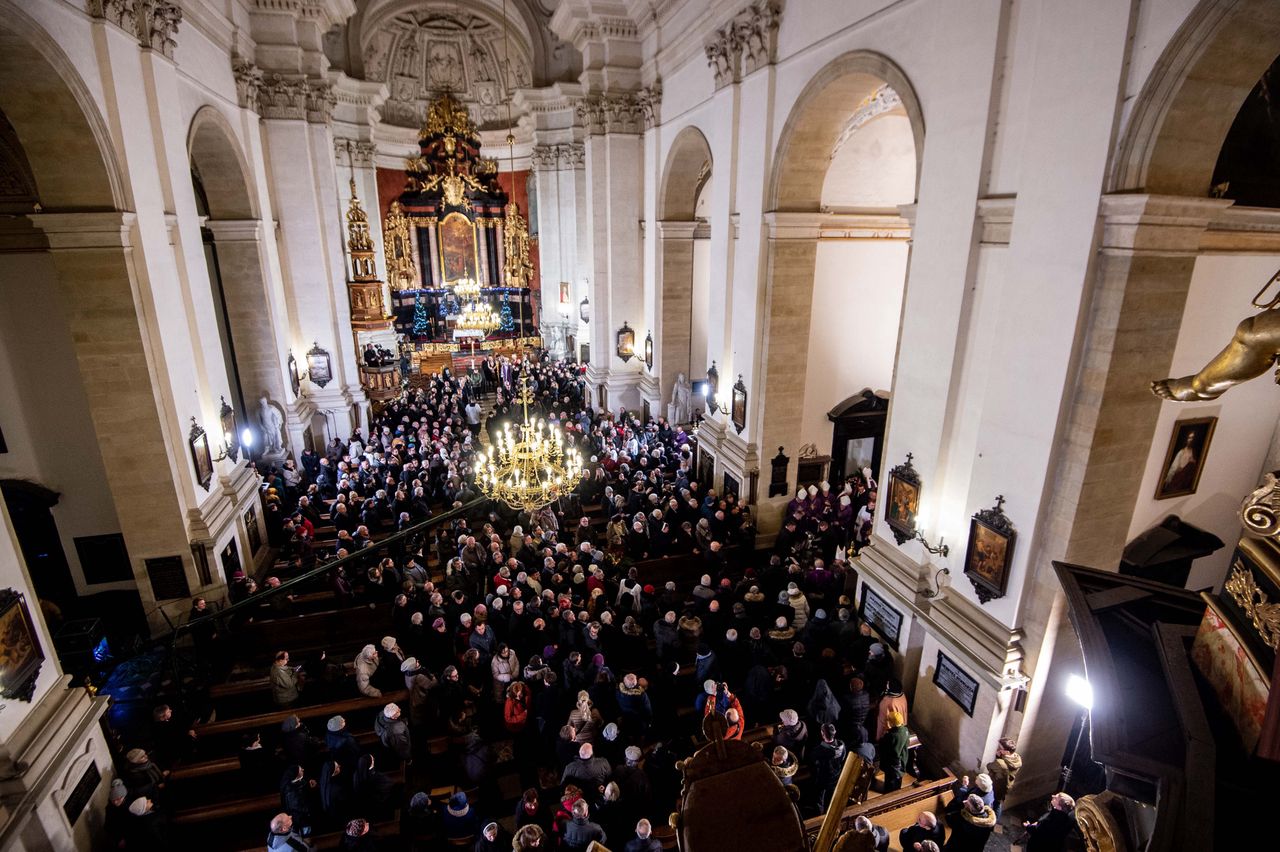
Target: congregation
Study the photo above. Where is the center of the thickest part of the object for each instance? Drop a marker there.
(549, 639)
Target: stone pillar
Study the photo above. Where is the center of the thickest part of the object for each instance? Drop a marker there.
(257, 326)
(792, 252)
(1148, 252)
(96, 262)
(673, 331)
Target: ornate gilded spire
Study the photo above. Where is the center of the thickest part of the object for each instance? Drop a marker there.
(359, 243)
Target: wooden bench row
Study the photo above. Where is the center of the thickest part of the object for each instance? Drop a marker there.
(276, 717)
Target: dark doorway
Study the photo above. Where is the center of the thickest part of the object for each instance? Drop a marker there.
(858, 435)
(30, 507)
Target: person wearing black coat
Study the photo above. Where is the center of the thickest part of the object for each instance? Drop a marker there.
(334, 789)
(1050, 832)
(358, 837)
(296, 791)
(926, 827)
(827, 759)
(342, 745)
(373, 790)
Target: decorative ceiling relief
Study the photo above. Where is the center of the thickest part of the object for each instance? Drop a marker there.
(423, 54)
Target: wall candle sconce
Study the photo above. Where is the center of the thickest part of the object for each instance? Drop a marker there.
(648, 350)
(738, 408)
(295, 379)
(230, 439)
(626, 340)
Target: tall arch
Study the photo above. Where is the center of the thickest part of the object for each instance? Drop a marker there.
(810, 281)
(1187, 104)
(237, 263)
(80, 252)
(684, 177)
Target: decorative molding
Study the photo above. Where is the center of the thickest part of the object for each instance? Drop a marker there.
(649, 101)
(153, 22)
(556, 157)
(543, 158)
(612, 113)
(282, 98)
(248, 81)
(747, 43)
(362, 154)
(883, 100)
(996, 215)
(321, 99)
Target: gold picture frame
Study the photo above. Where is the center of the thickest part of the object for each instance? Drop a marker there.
(1184, 460)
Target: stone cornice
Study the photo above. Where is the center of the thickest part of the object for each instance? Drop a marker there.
(363, 154)
(1241, 230)
(996, 215)
(569, 155)
(623, 112)
(153, 22)
(1167, 225)
(86, 230)
(279, 96)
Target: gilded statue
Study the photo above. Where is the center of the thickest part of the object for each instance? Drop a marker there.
(1251, 352)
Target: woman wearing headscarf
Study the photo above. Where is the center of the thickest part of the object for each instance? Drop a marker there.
(333, 784)
(824, 709)
(373, 789)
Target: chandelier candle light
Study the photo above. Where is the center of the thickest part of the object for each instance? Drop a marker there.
(529, 468)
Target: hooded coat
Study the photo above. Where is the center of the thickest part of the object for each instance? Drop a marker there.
(969, 831)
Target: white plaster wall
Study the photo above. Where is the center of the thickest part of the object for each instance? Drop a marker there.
(699, 359)
(857, 298)
(46, 418)
(874, 168)
(1221, 287)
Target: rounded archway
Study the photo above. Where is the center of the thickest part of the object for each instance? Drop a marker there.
(683, 293)
(848, 159)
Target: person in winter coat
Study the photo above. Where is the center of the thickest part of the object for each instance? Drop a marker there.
(926, 828)
(366, 665)
(971, 825)
(981, 787)
(420, 683)
(878, 834)
(1004, 770)
(633, 702)
(800, 604)
(791, 734)
(588, 770)
(644, 841)
(1050, 832)
(585, 719)
(394, 733)
(667, 637)
(891, 751)
(823, 707)
(144, 829)
(283, 836)
(784, 764)
(142, 776)
(579, 832)
(493, 839)
(284, 681)
(296, 791)
(358, 837)
(332, 786)
(893, 701)
(341, 744)
(459, 819)
(373, 789)
(515, 712)
(827, 759)
(506, 668)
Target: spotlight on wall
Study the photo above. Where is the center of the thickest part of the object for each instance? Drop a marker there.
(1080, 691)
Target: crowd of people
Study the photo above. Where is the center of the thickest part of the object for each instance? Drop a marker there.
(543, 640)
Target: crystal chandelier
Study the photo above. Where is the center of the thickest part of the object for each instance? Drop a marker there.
(477, 316)
(466, 289)
(530, 469)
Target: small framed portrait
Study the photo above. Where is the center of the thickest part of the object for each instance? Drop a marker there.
(20, 653)
(200, 456)
(1184, 460)
(739, 407)
(903, 505)
(990, 552)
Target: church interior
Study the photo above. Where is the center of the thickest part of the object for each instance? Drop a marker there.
(635, 425)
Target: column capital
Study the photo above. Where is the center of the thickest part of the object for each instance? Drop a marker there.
(676, 230)
(1171, 225)
(794, 226)
(235, 230)
(111, 229)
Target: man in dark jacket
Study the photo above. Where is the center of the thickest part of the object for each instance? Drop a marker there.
(1049, 833)
(879, 834)
(341, 744)
(394, 733)
(827, 759)
(644, 841)
(580, 831)
(926, 828)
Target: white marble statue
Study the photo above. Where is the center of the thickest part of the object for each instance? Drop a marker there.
(681, 397)
(272, 425)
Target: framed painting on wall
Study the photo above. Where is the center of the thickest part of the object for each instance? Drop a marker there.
(990, 552)
(458, 258)
(903, 504)
(1184, 460)
(20, 652)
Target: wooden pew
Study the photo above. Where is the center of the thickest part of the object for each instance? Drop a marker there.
(267, 803)
(894, 811)
(263, 721)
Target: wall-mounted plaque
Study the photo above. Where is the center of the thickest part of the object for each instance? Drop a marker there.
(82, 793)
(883, 618)
(168, 578)
(956, 683)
